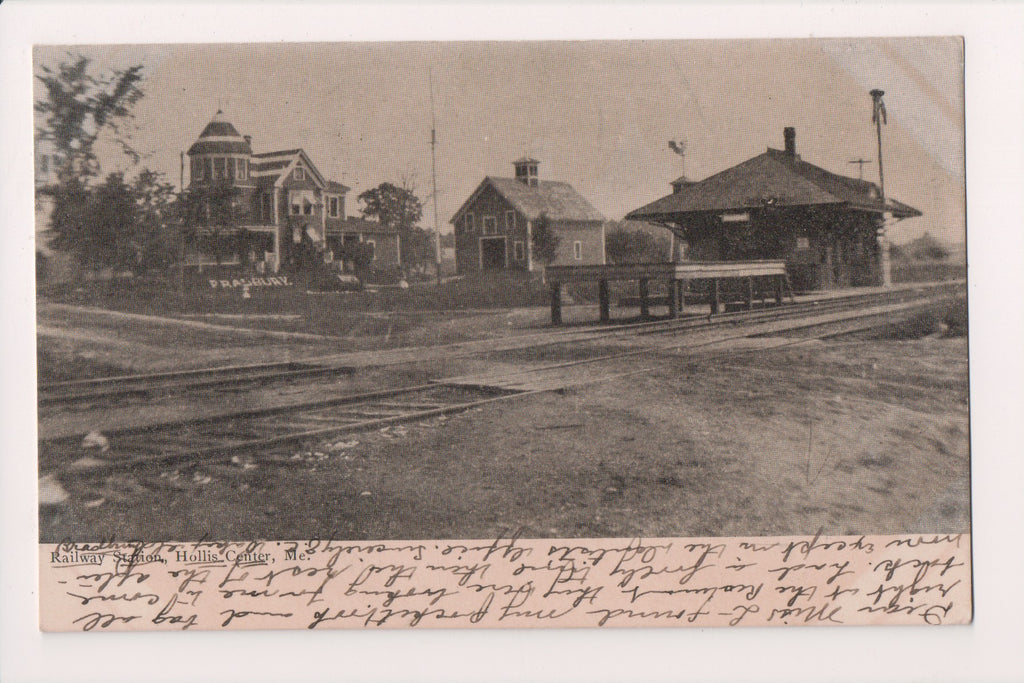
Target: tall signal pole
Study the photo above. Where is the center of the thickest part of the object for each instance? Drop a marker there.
(878, 117)
(433, 174)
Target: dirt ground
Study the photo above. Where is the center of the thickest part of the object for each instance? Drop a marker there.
(853, 436)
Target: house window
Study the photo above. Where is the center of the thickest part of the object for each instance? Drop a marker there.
(510, 221)
(218, 167)
(307, 209)
(268, 203)
(490, 225)
(334, 207)
(44, 164)
(328, 256)
(243, 170)
(577, 250)
(803, 243)
(520, 250)
(470, 220)
(231, 168)
(197, 169)
(300, 173)
(207, 169)
(296, 208)
(373, 249)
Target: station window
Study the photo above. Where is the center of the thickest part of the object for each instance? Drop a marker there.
(197, 169)
(490, 226)
(207, 169)
(470, 222)
(373, 249)
(230, 168)
(803, 243)
(243, 170)
(44, 164)
(334, 207)
(218, 167)
(520, 250)
(577, 251)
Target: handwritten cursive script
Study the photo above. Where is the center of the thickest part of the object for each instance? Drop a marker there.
(506, 582)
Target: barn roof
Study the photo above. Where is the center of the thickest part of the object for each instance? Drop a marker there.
(774, 178)
(559, 201)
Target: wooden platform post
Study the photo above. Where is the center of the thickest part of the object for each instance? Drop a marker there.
(680, 294)
(716, 297)
(556, 303)
(780, 283)
(603, 300)
(673, 300)
(750, 293)
(644, 304)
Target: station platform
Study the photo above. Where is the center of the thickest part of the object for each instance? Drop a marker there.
(750, 278)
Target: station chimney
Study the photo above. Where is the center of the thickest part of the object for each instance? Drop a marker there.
(789, 133)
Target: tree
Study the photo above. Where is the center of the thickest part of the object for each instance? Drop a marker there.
(77, 109)
(400, 209)
(212, 216)
(545, 241)
(80, 107)
(635, 246)
(159, 216)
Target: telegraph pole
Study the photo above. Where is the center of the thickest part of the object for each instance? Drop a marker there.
(433, 174)
(878, 117)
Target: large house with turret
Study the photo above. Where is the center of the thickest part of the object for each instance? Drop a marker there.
(494, 227)
(272, 211)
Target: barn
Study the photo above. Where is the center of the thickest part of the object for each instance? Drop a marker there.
(494, 227)
(778, 206)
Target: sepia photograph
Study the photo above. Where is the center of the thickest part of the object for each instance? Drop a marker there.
(518, 343)
(458, 290)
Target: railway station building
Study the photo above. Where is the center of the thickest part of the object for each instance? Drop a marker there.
(778, 206)
(494, 227)
(269, 212)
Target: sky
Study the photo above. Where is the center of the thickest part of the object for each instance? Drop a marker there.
(597, 114)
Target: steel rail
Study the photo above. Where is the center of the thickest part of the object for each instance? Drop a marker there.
(258, 430)
(224, 376)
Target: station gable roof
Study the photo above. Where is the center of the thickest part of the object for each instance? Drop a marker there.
(774, 178)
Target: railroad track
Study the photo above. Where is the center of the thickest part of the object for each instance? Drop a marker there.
(164, 382)
(62, 394)
(269, 432)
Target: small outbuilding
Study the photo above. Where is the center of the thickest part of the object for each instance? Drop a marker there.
(494, 227)
(778, 206)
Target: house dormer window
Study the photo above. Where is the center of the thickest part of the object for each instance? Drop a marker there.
(300, 173)
(334, 207)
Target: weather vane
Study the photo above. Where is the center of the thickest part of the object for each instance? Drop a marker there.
(680, 149)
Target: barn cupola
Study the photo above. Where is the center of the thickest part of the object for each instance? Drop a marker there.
(220, 154)
(526, 171)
